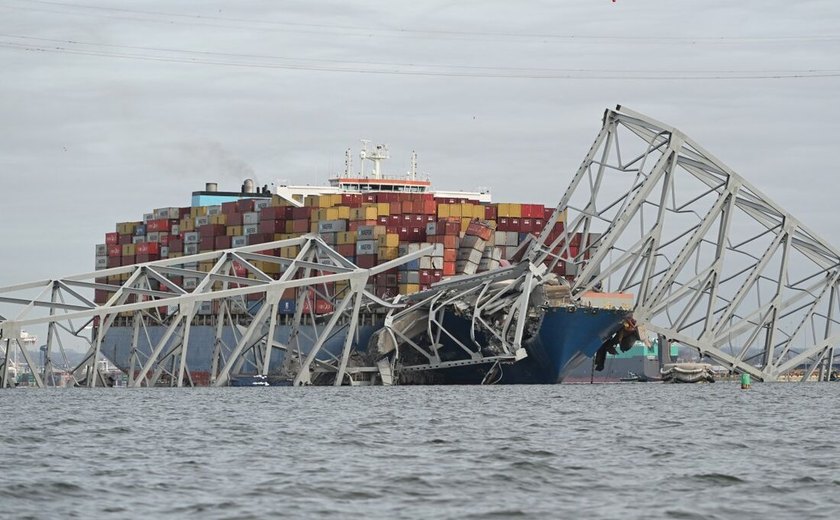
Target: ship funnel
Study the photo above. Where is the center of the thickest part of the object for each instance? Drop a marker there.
(248, 186)
(211, 186)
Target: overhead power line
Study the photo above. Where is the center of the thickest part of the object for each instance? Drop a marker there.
(400, 32)
(169, 55)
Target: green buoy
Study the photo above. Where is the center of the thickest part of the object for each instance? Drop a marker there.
(745, 381)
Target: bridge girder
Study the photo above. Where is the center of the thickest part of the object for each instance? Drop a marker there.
(714, 263)
(172, 293)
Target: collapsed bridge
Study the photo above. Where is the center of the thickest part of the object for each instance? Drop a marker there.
(711, 262)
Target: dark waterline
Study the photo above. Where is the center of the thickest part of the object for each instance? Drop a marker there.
(588, 451)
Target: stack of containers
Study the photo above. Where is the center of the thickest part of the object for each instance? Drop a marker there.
(446, 233)
(367, 229)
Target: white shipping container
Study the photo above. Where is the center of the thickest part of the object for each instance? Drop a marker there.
(101, 262)
(164, 251)
(438, 251)
(191, 237)
(147, 217)
(437, 262)
(175, 229)
(153, 236)
(472, 242)
(500, 238)
(252, 217)
(465, 267)
(202, 220)
(426, 262)
(250, 229)
(138, 240)
(190, 249)
(191, 283)
(239, 241)
(101, 250)
(214, 210)
(512, 238)
(260, 204)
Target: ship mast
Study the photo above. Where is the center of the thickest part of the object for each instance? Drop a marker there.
(375, 156)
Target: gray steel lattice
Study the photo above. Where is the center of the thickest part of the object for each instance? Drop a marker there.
(713, 263)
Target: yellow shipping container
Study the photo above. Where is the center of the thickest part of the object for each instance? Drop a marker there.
(128, 250)
(176, 255)
(389, 253)
(221, 218)
(233, 231)
(383, 208)
(289, 252)
(335, 199)
(113, 279)
(330, 214)
(313, 227)
(455, 210)
(409, 288)
(311, 201)
(205, 267)
(345, 237)
(465, 223)
(343, 212)
(187, 224)
(443, 211)
(198, 211)
(389, 240)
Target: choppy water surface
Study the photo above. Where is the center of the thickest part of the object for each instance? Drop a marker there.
(589, 451)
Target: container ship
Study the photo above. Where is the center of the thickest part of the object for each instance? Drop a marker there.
(368, 218)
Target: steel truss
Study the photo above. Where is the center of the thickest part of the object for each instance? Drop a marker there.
(498, 306)
(234, 285)
(713, 263)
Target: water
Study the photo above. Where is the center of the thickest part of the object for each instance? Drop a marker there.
(589, 451)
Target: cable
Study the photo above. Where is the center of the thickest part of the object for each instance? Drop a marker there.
(351, 68)
(438, 33)
(422, 65)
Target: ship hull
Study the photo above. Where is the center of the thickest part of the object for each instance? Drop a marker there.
(563, 338)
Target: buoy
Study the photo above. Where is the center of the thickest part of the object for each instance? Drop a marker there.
(745, 381)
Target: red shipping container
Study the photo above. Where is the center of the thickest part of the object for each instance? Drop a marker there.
(303, 213)
(223, 242)
(113, 261)
(515, 224)
(407, 206)
(366, 261)
(273, 213)
(261, 238)
(392, 229)
(346, 250)
(351, 200)
(395, 220)
(147, 248)
(207, 244)
(368, 198)
(449, 241)
(125, 239)
(112, 239)
(127, 260)
(114, 251)
(176, 245)
(164, 239)
(229, 208)
(479, 230)
(184, 212)
(450, 255)
(489, 212)
(245, 205)
(300, 226)
(547, 212)
(146, 258)
(526, 225)
(448, 268)
(538, 224)
(272, 226)
(382, 220)
(157, 225)
(425, 276)
(212, 230)
(233, 219)
(407, 219)
(394, 208)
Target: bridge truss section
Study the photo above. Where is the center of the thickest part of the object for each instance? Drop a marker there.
(236, 290)
(713, 263)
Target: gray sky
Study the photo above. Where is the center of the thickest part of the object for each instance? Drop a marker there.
(110, 109)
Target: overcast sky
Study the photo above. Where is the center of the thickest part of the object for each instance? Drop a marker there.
(110, 109)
